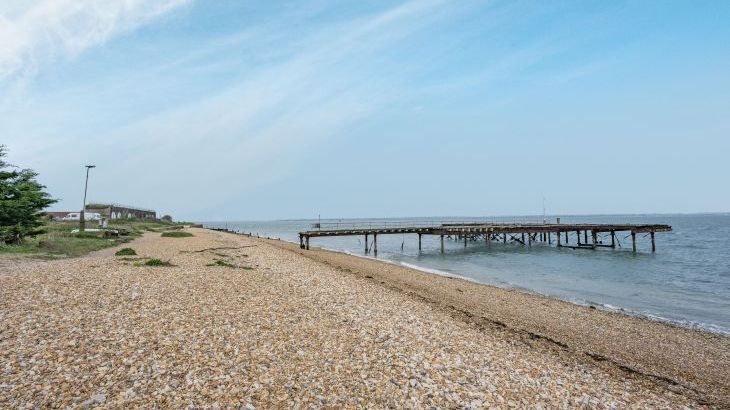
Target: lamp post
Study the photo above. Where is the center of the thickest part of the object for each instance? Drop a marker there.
(83, 208)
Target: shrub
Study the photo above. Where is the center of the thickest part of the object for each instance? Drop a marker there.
(176, 234)
(22, 199)
(126, 252)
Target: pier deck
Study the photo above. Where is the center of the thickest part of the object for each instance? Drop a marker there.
(524, 234)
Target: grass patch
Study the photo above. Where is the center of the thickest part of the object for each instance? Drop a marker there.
(221, 262)
(72, 246)
(58, 241)
(176, 234)
(23, 249)
(126, 252)
(154, 262)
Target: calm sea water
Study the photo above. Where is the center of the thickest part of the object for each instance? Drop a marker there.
(686, 282)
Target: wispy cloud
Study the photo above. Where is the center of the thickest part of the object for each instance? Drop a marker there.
(262, 126)
(34, 33)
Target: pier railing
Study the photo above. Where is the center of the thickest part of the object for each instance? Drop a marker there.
(389, 224)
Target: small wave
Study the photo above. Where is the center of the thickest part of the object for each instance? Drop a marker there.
(687, 324)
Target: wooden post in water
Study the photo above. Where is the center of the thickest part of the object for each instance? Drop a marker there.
(529, 240)
(419, 242)
(577, 235)
(375, 244)
(594, 238)
(523, 238)
(504, 238)
(585, 236)
(301, 242)
(465, 241)
(566, 237)
(366, 244)
(442, 244)
(633, 241)
(550, 241)
(307, 239)
(653, 244)
(558, 235)
(613, 239)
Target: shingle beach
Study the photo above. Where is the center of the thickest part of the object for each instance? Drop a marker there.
(277, 327)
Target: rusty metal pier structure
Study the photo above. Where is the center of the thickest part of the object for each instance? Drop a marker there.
(583, 236)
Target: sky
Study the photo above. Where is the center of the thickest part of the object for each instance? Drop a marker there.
(256, 110)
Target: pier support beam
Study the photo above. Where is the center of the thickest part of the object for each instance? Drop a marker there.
(523, 238)
(442, 244)
(465, 241)
(566, 237)
(594, 238)
(613, 239)
(529, 240)
(366, 244)
(375, 244)
(585, 236)
(653, 244)
(577, 235)
(558, 235)
(550, 241)
(633, 241)
(301, 242)
(307, 241)
(504, 238)
(419, 242)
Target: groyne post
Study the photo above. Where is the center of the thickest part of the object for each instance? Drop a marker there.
(577, 235)
(366, 244)
(419, 242)
(375, 244)
(442, 244)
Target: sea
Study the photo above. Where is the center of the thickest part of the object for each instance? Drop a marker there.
(686, 282)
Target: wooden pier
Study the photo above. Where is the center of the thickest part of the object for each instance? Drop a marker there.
(583, 236)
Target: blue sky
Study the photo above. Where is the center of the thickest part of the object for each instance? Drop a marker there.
(266, 110)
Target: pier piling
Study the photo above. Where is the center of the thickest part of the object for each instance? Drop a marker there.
(633, 241)
(653, 244)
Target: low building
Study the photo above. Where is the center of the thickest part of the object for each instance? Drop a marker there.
(57, 215)
(117, 211)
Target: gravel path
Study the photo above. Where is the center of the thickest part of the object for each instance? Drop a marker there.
(290, 332)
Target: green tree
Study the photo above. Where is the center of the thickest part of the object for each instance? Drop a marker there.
(22, 200)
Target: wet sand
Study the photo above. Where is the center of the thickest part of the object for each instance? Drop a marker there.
(283, 327)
